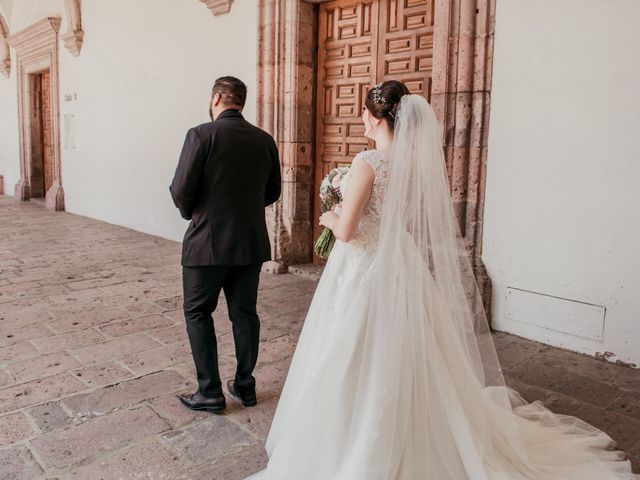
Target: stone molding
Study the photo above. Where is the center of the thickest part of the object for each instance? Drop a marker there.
(74, 36)
(218, 7)
(461, 96)
(285, 98)
(37, 51)
(5, 51)
(463, 54)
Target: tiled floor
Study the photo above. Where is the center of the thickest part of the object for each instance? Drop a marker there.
(93, 351)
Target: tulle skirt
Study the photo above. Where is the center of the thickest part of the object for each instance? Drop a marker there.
(343, 416)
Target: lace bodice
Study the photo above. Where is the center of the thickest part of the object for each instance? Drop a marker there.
(369, 229)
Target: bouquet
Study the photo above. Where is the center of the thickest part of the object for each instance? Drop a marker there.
(331, 197)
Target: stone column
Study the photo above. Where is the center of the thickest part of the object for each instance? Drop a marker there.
(463, 57)
(286, 55)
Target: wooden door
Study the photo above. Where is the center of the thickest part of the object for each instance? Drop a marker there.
(47, 138)
(361, 43)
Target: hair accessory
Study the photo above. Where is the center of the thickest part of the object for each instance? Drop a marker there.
(377, 94)
(379, 99)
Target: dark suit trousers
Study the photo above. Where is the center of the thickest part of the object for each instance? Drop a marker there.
(202, 286)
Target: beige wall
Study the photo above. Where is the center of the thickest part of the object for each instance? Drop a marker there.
(142, 79)
(562, 215)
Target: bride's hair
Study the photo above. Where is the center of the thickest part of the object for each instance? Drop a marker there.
(383, 100)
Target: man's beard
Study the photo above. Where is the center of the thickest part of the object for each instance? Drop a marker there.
(210, 112)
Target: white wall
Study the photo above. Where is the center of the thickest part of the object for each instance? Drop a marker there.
(9, 143)
(143, 77)
(562, 213)
(27, 13)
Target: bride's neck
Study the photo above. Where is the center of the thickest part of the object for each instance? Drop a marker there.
(384, 141)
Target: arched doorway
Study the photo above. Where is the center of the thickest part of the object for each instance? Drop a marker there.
(459, 85)
(38, 109)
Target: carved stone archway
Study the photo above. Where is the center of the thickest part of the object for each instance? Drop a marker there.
(463, 47)
(5, 51)
(37, 52)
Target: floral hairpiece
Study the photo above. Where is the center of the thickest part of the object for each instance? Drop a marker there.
(377, 94)
(379, 98)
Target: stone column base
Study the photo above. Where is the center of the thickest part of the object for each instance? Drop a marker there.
(274, 267)
(484, 285)
(23, 190)
(54, 199)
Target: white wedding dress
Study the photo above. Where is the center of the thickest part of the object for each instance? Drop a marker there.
(366, 401)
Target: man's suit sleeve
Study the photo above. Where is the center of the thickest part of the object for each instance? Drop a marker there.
(185, 188)
(274, 184)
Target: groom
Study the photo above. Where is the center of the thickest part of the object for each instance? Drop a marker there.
(227, 174)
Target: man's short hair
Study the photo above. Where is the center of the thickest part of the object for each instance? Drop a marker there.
(232, 90)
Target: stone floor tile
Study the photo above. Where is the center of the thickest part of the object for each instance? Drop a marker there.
(561, 380)
(580, 364)
(125, 394)
(209, 439)
(68, 341)
(142, 308)
(79, 317)
(73, 297)
(236, 466)
(114, 349)
(512, 350)
(102, 374)
(176, 414)
(10, 336)
(14, 427)
(158, 359)
(628, 405)
(43, 366)
(530, 393)
(254, 419)
(628, 379)
(170, 303)
(277, 349)
(624, 430)
(17, 463)
(135, 325)
(66, 447)
(270, 378)
(17, 352)
(147, 460)
(38, 391)
(173, 334)
(5, 379)
(50, 416)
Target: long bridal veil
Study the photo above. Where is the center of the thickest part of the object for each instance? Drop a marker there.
(433, 398)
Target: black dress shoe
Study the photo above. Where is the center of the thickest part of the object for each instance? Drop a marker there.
(247, 399)
(197, 401)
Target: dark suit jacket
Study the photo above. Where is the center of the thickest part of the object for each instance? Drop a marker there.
(228, 172)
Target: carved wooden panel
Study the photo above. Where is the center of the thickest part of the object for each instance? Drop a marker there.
(361, 43)
(47, 134)
(406, 43)
(346, 70)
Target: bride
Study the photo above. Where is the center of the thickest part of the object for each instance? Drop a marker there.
(395, 376)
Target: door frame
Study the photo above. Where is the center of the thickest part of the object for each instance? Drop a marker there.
(460, 95)
(37, 52)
